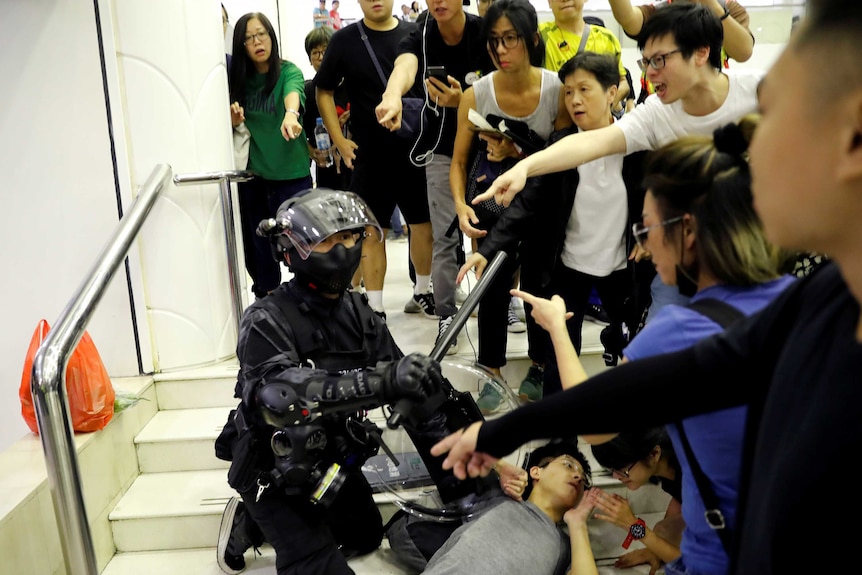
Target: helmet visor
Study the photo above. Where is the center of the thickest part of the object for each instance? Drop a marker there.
(309, 222)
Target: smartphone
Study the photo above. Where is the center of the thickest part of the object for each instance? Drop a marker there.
(438, 72)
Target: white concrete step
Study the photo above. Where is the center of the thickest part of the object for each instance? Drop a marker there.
(181, 440)
(211, 386)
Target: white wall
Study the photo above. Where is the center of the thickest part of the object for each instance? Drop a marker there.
(164, 63)
(59, 200)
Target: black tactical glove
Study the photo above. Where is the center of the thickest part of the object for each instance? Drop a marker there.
(414, 377)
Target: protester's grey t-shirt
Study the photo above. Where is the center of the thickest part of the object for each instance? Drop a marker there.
(513, 537)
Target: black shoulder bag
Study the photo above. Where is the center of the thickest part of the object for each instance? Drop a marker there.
(724, 315)
(411, 108)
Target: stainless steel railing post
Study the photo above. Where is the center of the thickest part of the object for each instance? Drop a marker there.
(224, 178)
(48, 382)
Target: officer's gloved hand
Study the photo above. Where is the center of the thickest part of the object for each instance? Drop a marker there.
(413, 377)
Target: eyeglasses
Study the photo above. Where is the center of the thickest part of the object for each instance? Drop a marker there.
(318, 53)
(509, 41)
(656, 62)
(625, 472)
(259, 36)
(641, 232)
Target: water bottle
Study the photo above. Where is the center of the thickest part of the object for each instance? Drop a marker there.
(321, 138)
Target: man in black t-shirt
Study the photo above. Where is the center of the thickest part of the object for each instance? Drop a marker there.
(450, 38)
(382, 172)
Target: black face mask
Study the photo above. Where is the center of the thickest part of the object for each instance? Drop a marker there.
(331, 272)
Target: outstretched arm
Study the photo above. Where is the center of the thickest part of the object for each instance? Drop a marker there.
(400, 81)
(738, 40)
(630, 17)
(568, 153)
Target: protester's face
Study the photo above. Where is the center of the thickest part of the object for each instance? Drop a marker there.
(662, 242)
(563, 479)
(796, 157)
(445, 10)
(405, 9)
(482, 7)
(316, 57)
(565, 10)
(258, 44)
(674, 80)
(633, 476)
(377, 10)
(507, 59)
(588, 103)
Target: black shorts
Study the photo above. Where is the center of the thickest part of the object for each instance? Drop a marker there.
(385, 179)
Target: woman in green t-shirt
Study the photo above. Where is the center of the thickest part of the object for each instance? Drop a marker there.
(268, 94)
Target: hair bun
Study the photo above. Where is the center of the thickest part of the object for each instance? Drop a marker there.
(730, 139)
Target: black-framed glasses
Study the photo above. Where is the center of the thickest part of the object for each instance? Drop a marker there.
(318, 52)
(625, 472)
(656, 62)
(259, 36)
(640, 231)
(510, 41)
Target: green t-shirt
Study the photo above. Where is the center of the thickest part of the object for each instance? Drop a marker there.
(269, 154)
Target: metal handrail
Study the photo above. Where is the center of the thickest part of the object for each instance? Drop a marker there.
(48, 382)
(224, 178)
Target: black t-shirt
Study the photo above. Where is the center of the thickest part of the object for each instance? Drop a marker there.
(347, 59)
(466, 62)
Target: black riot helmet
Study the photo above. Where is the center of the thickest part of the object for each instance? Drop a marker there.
(307, 219)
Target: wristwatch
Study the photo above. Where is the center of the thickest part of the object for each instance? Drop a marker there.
(637, 530)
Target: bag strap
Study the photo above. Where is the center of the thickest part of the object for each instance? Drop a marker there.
(586, 34)
(724, 315)
(371, 53)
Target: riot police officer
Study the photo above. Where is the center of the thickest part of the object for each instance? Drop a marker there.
(313, 357)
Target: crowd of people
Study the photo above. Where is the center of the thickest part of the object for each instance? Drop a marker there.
(678, 205)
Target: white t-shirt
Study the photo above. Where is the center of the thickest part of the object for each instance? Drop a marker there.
(596, 232)
(653, 124)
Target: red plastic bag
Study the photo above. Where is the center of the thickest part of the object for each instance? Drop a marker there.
(88, 386)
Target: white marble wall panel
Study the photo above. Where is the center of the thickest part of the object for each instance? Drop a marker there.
(174, 84)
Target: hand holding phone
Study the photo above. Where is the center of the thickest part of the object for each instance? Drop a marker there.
(438, 72)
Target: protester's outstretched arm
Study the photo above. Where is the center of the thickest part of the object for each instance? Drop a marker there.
(400, 81)
(738, 40)
(583, 561)
(568, 153)
(552, 316)
(631, 18)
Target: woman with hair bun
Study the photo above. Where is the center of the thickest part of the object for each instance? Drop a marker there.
(703, 236)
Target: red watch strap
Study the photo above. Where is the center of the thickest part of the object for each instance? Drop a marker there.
(628, 541)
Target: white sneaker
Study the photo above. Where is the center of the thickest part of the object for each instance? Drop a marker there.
(421, 303)
(460, 295)
(518, 305)
(515, 324)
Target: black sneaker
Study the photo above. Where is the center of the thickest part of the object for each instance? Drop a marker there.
(234, 537)
(597, 314)
(422, 303)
